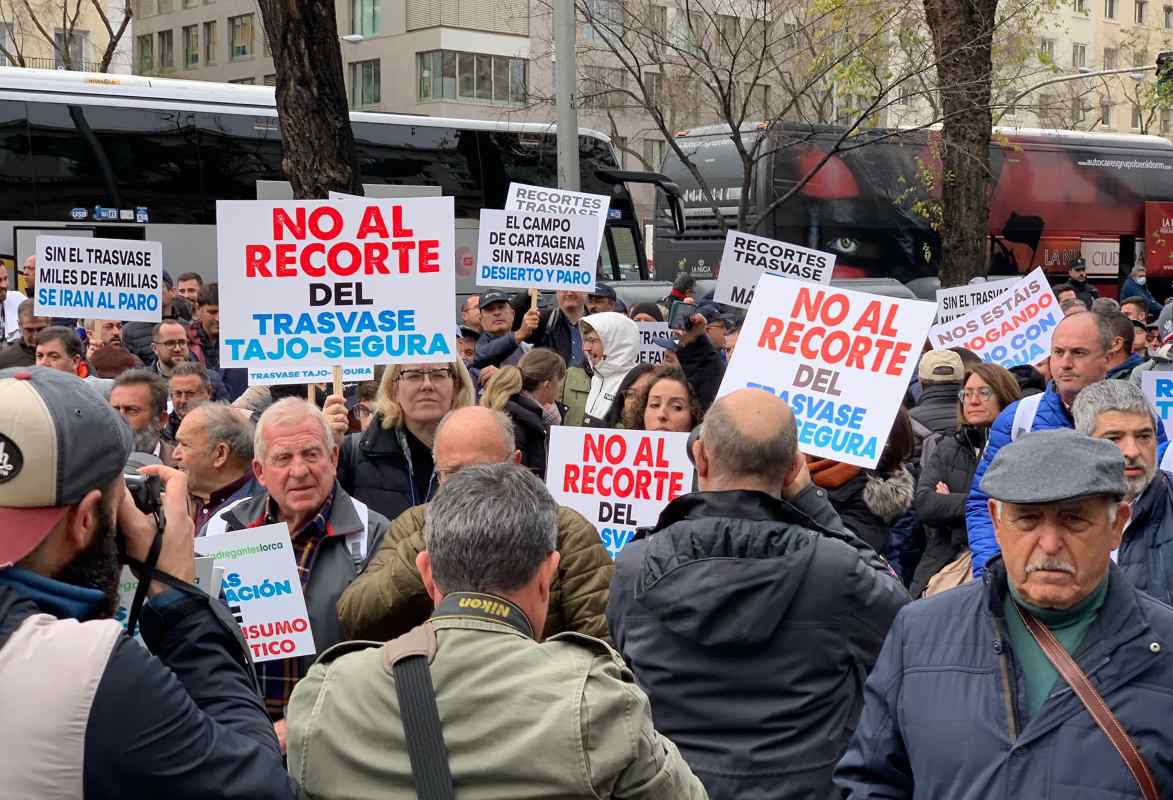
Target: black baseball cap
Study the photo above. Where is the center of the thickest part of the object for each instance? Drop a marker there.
(494, 296)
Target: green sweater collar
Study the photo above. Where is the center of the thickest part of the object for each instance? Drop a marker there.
(1065, 617)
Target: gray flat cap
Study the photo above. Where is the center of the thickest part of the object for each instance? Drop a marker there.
(1053, 465)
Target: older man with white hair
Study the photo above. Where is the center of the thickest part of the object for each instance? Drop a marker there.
(294, 459)
(1118, 411)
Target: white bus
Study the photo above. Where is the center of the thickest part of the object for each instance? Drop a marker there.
(145, 158)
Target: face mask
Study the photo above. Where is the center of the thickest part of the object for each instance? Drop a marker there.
(1140, 281)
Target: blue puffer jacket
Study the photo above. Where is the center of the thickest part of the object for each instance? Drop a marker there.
(1051, 414)
(941, 714)
(1146, 554)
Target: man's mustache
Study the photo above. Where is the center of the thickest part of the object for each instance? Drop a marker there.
(1051, 565)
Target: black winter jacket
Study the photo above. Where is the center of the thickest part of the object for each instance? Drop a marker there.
(1146, 554)
(704, 368)
(374, 468)
(752, 629)
(529, 432)
(185, 722)
(937, 407)
(553, 333)
(136, 336)
(952, 462)
(941, 716)
(869, 502)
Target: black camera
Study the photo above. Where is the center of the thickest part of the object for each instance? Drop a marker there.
(146, 491)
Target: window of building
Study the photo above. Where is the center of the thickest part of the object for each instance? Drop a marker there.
(620, 143)
(7, 42)
(146, 53)
(245, 81)
(730, 28)
(602, 87)
(271, 80)
(1137, 118)
(75, 43)
(471, 77)
(365, 16)
(905, 94)
(1046, 103)
(1081, 6)
(1110, 9)
(166, 50)
(1168, 17)
(1140, 58)
(166, 6)
(240, 37)
(1011, 100)
(1078, 55)
(654, 87)
(210, 42)
(1047, 49)
(1106, 111)
(1111, 57)
(1078, 111)
(190, 3)
(191, 46)
(1166, 120)
(658, 24)
(654, 150)
(604, 19)
(1141, 8)
(364, 83)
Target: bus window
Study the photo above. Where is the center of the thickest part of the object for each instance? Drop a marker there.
(606, 270)
(17, 196)
(236, 151)
(421, 155)
(121, 158)
(626, 252)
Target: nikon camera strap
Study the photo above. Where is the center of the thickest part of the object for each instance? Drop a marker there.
(408, 658)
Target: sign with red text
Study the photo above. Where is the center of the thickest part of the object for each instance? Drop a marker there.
(544, 200)
(263, 590)
(537, 251)
(841, 360)
(344, 282)
(746, 257)
(619, 480)
(1014, 328)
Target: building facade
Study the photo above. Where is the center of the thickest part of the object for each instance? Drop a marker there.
(79, 41)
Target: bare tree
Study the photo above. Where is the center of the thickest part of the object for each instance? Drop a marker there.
(60, 26)
(319, 154)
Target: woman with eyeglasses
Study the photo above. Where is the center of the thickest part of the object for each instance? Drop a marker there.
(949, 466)
(389, 466)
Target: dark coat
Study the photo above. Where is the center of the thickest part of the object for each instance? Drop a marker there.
(18, 355)
(703, 366)
(553, 333)
(1146, 554)
(1085, 292)
(137, 336)
(1123, 371)
(937, 407)
(952, 462)
(529, 432)
(374, 468)
(185, 722)
(1131, 288)
(869, 502)
(495, 351)
(752, 629)
(941, 717)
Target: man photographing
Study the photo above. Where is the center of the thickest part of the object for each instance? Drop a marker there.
(91, 714)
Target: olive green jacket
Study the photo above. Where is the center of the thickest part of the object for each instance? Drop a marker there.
(576, 387)
(561, 719)
(388, 599)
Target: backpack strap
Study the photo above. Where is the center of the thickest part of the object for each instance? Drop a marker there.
(1024, 415)
(407, 658)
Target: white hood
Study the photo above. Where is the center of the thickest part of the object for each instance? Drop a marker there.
(620, 351)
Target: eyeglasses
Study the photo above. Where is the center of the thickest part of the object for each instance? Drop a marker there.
(985, 393)
(173, 344)
(416, 377)
(362, 412)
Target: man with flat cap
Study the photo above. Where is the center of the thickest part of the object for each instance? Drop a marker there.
(972, 696)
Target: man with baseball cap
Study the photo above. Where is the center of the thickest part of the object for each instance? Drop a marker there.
(940, 374)
(500, 344)
(602, 298)
(972, 694)
(89, 713)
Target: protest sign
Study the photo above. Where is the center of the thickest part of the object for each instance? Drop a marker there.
(955, 301)
(207, 577)
(840, 359)
(99, 279)
(344, 283)
(292, 373)
(263, 590)
(542, 200)
(747, 257)
(1014, 328)
(619, 480)
(1158, 389)
(536, 251)
(650, 353)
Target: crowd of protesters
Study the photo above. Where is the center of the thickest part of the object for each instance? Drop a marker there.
(793, 627)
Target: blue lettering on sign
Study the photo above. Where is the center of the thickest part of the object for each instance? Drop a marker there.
(615, 538)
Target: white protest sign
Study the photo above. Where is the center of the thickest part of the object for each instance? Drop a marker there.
(1014, 328)
(205, 578)
(277, 373)
(346, 283)
(619, 480)
(957, 300)
(747, 257)
(1158, 389)
(99, 278)
(263, 590)
(650, 353)
(541, 200)
(841, 360)
(536, 251)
